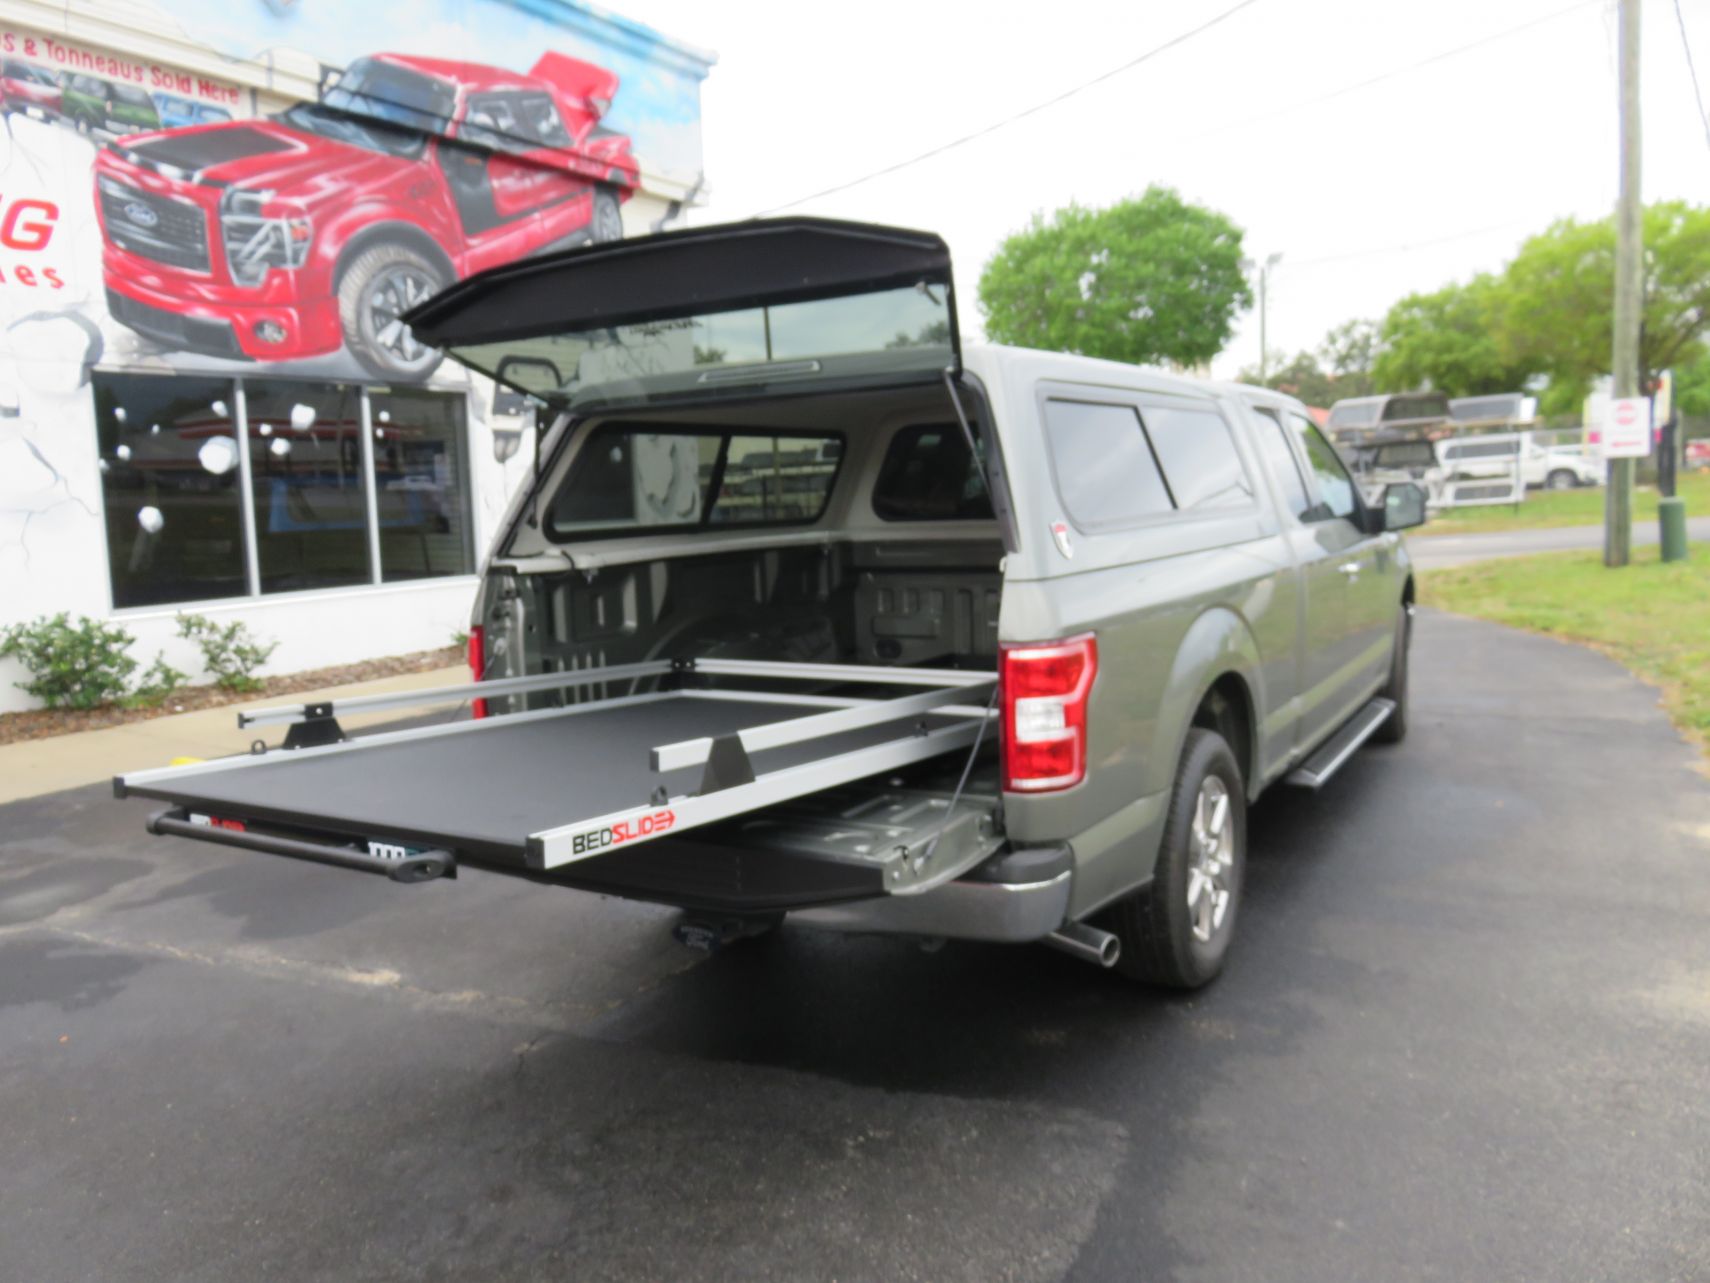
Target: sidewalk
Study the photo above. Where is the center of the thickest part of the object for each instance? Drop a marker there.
(34, 767)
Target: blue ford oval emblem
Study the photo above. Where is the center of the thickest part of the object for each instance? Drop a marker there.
(141, 214)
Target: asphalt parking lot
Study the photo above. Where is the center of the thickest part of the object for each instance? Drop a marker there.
(1465, 1034)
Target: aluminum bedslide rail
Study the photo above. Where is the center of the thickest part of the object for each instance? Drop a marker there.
(932, 722)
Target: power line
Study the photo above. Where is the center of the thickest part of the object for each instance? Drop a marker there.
(1394, 72)
(1691, 70)
(1020, 115)
(1405, 247)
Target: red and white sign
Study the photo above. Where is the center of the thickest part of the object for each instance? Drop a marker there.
(1627, 431)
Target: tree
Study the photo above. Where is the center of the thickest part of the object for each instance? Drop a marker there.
(1340, 367)
(1149, 279)
(1555, 313)
(1449, 340)
(1349, 353)
(1300, 377)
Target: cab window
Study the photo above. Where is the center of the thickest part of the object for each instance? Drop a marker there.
(1279, 457)
(1335, 486)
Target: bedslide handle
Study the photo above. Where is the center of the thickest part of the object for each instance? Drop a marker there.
(419, 867)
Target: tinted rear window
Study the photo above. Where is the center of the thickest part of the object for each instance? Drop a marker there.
(628, 479)
(1198, 457)
(1417, 407)
(1354, 414)
(1105, 468)
(928, 474)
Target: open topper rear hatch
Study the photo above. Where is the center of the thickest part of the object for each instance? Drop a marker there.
(739, 309)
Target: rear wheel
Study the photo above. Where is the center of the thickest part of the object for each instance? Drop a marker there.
(1176, 932)
(378, 286)
(1560, 479)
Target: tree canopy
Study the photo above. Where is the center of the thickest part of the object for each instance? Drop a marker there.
(1449, 340)
(1556, 305)
(1340, 366)
(1149, 279)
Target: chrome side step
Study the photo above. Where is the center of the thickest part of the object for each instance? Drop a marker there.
(1333, 754)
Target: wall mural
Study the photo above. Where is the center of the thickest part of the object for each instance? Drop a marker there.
(249, 188)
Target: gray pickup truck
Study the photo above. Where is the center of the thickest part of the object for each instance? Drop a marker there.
(809, 610)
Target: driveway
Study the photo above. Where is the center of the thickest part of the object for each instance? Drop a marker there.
(1465, 1034)
(1432, 552)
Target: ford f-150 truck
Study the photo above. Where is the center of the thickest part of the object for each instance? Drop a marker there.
(807, 610)
(287, 237)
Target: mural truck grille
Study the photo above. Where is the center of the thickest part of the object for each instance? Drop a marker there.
(156, 227)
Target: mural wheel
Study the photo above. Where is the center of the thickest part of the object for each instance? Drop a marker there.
(607, 222)
(378, 287)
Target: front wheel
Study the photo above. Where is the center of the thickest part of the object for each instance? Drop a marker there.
(1176, 932)
(1560, 479)
(377, 288)
(606, 223)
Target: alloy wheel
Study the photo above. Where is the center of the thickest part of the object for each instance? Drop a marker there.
(392, 293)
(1211, 858)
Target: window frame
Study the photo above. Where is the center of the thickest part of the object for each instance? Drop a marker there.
(561, 537)
(1303, 473)
(253, 591)
(1137, 399)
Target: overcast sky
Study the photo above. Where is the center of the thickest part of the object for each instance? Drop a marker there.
(1429, 176)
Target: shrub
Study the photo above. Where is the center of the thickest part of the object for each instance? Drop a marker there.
(230, 651)
(81, 665)
(156, 684)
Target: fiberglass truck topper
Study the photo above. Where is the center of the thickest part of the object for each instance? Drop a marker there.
(803, 610)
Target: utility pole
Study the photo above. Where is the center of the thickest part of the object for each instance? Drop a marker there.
(1264, 317)
(1629, 284)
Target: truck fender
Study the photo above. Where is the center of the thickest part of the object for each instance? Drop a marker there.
(361, 235)
(1217, 644)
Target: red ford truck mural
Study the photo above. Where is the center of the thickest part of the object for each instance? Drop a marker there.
(287, 237)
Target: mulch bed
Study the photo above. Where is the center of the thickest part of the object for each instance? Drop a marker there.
(40, 723)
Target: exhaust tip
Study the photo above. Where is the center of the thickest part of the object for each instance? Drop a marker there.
(1089, 944)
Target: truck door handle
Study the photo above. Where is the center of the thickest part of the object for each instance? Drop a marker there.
(1351, 569)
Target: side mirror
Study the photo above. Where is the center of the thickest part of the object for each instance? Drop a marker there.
(1403, 506)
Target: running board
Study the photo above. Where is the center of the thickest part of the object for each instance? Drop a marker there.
(1316, 770)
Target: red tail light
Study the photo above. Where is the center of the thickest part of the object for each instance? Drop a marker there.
(478, 666)
(1045, 689)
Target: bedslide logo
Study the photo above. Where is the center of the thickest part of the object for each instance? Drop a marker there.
(650, 825)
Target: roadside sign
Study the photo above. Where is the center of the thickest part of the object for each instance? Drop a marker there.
(1627, 429)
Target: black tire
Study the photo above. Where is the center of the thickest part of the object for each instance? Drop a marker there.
(377, 285)
(605, 222)
(1561, 479)
(1394, 729)
(1156, 927)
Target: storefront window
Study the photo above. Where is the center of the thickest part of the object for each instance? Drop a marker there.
(169, 482)
(420, 480)
(311, 506)
(172, 475)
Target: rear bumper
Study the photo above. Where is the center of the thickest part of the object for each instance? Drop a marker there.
(1013, 898)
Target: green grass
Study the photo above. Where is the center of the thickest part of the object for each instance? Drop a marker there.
(1654, 618)
(1546, 508)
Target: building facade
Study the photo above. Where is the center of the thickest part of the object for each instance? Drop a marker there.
(212, 213)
